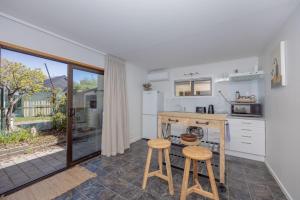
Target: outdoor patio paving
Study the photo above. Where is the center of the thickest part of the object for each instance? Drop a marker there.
(18, 170)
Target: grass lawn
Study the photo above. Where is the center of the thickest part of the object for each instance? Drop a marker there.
(29, 119)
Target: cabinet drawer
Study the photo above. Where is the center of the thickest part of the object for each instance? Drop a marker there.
(172, 120)
(244, 123)
(200, 123)
(248, 145)
(250, 131)
(248, 135)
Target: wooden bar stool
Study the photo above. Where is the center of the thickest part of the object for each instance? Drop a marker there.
(161, 145)
(197, 153)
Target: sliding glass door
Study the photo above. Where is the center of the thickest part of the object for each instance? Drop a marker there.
(50, 115)
(85, 112)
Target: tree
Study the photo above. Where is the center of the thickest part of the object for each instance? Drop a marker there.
(59, 101)
(18, 81)
(85, 84)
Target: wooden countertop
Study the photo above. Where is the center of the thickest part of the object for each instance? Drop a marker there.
(219, 117)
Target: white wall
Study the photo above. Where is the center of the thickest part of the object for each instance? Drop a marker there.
(282, 111)
(213, 70)
(135, 77)
(23, 35)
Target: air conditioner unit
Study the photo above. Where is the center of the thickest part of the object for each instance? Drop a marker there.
(158, 76)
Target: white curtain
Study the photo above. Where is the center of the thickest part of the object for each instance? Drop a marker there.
(115, 136)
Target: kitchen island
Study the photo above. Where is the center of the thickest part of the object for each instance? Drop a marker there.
(198, 120)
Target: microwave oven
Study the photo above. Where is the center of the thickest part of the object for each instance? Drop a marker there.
(246, 109)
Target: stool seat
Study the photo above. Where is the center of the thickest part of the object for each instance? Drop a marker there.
(159, 143)
(197, 153)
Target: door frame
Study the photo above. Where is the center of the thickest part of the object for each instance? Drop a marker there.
(70, 161)
(1, 100)
(69, 62)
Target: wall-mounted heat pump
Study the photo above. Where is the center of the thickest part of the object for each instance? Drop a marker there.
(158, 76)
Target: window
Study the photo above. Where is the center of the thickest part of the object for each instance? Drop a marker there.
(202, 87)
(183, 88)
(196, 87)
(92, 99)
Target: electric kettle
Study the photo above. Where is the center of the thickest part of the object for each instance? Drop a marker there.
(211, 109)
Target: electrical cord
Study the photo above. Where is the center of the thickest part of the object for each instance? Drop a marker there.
(221, 93)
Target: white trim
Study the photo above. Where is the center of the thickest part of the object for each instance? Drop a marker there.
(245, 155)
(49, 33)
(286, 193)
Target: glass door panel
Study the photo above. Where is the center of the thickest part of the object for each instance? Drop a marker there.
(86, 112)
(32, 118)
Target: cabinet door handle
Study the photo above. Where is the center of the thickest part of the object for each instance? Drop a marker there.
(246, 136)
(246, 123)
(246, 142)
(204, 123)
(173, 120)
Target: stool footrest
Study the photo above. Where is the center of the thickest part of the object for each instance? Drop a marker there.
(158, 174)
(199, 190)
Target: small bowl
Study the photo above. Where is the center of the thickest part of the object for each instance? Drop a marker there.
(188, 137)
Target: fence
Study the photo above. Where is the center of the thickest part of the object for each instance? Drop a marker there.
(34, 111)
(36, 105)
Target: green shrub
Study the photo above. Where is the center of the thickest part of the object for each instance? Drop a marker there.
(59, 121)
(21, 135)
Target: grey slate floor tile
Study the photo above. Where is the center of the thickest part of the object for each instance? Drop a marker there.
(123, 175)
(120, 178)
(72, 195)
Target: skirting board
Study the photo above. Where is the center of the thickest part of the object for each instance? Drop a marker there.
(245, 155)
(284, 190)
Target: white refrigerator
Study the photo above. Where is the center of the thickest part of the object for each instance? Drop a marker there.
(153, 102)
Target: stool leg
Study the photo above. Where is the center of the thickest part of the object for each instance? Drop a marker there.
(149, 155)
(160, 161)
(185, 179)
(195, 175)
(212, 180)
(169, 172)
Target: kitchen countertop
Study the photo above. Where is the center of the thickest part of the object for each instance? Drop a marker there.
(219, 117)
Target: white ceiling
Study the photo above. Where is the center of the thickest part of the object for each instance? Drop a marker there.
(160, 33)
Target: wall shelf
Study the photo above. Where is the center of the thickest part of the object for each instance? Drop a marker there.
(219, 80)
(245, 76)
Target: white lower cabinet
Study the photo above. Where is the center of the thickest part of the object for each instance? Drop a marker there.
(247, 136)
